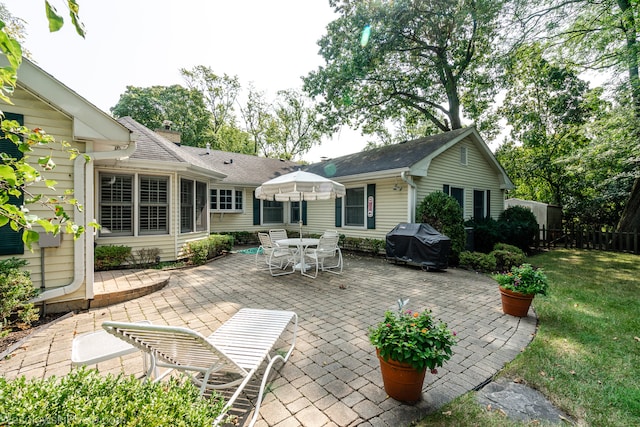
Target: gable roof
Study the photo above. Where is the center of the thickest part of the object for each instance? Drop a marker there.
(89, 122)
(242, 169)
(409, 156)
(153, 147)
(390, 157)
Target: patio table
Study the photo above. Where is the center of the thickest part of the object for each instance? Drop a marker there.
(301, 244)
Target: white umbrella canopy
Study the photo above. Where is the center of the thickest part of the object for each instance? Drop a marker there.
(298, 186)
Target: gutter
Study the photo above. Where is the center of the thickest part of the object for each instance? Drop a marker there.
(82, 243)
(411, 196)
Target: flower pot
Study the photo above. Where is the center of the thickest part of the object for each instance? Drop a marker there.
(515, 303)
(401, 381)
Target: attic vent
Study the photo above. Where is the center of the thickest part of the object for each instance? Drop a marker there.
(463, 156)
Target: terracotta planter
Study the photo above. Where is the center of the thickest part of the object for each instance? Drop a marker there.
(515, 303)
(401, 381)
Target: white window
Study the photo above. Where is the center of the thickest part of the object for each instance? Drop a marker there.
(455, 192)
(193, 206)
(354, 207)
(481, 206)
(463, 156)
(154, 205)
(226, 200)
(117, 204)
(272, 212)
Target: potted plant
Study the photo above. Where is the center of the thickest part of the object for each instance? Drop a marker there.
(519, 286)
(407, 344)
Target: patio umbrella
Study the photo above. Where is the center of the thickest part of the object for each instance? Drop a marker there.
(298, 186)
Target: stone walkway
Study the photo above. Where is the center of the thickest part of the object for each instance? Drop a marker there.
(333, 377)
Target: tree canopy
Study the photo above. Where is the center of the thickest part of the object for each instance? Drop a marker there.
(152, 106)
(387, 60)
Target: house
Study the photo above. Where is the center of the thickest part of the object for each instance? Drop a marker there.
(62, 267)
(385, 185)
(143, 190)
(147, 191)
(157, 198)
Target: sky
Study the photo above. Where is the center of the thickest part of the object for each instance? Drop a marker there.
(143, 43)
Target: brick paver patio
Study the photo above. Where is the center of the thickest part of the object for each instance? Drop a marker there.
(333, 377)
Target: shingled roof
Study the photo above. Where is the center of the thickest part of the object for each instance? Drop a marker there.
(244, 169)
(390, 157)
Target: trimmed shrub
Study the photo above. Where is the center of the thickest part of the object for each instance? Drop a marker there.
(443, 213)
(110, 257)
(16, 289)
(199, 251)
(518, 226)
(478, 261)
(507, 256)
(144, 257)
(84, 398)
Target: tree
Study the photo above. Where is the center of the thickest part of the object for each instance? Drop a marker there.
(16, 174)
(184, 108)
(546, 106)
(220, 95)
(384, 59)
(257, 118)
(293, 130)
(597, 35)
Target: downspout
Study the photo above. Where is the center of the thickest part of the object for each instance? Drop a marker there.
(79, 165)
(411, 196)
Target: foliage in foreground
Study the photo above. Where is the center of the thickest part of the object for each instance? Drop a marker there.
(584, 355)
(84, 397)
(16, 289)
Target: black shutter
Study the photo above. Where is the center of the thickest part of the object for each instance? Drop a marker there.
(488, 203)
(338, 212)
(371, 220)
(304, 212)
(256, 210)
(10, 240)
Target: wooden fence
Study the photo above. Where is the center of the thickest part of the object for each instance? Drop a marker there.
(596, 238)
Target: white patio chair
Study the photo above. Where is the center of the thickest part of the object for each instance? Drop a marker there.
(327, 249)
(275, 257)
(228, 358)
(278, 234)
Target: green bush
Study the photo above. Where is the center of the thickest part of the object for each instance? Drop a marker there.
(110, 257)
(85, 398)
(444, 213)
(518, 226)
(199, 251)
(507, 256)
(486, 233)
(478, 261)
(145, 257)
(16, 289)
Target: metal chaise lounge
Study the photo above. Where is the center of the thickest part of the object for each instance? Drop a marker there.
(235, 350)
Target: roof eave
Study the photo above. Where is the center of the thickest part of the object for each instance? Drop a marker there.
(89, 122)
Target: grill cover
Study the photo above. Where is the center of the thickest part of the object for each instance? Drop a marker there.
(418, 244)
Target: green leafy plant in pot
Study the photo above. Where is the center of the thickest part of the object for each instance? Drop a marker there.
(407, 344)
(519, 286)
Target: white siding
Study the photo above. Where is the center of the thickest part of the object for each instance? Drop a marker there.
(58, 270)
(477, 174)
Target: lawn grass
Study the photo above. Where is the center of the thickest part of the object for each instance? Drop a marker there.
(586, 354)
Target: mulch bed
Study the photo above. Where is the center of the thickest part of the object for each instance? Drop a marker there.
(16, 334)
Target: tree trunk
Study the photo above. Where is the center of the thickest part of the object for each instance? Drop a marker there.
(630, 218)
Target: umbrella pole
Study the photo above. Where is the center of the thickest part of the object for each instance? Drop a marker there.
(300, 215)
